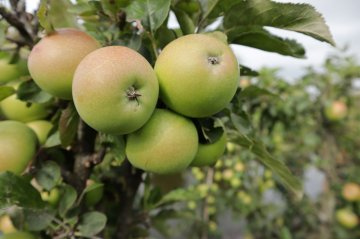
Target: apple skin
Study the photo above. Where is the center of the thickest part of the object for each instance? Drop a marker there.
(346, 218)
(53, 61)
(17, 146)
(18, 235)
(103, 84)
(93, 197)
(11, 72)
(208, 154)
(198, 75)
(351, 192)
(336, 111)
(6, 225)
(41, 129)
(166, 144)
(15, 109)
(52, 197)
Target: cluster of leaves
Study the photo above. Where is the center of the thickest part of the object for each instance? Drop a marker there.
(73, 152)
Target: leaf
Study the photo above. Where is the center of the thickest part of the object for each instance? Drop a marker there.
(207, 6)
(252, 92)
(68, 125)
(67, 200)
(59, 14)
(116, 147)
(187, 25)
(179, 195)
(258, 37)
(278, 167)
(53, 140)
(43, 17)
(29, 91)
(241, 122)
(37, 219)
(302, 18)
(151, 13)
(49, 175)
(6, 91)
(247, 71)
(92, 223)
(15, 190)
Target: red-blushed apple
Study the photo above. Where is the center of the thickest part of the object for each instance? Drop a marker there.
(351, 192)
(115, 90)
(336, 111)
(17, 146)
(41, 129)
(166, 144)
(198, 75)
(208, 154)
(53, 60)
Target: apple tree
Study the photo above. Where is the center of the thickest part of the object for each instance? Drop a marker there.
(125, 98)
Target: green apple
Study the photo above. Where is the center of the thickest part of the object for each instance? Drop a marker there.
(347, 218)
(208, 154)
(94, 196)
(41, 129)
(351, 192)
(336, 111)
(52, 197)
(198, 75)
(17, 146)
(18, 235)
(166, 144)
(15, 109)
(53, 61)
(9, 72)
(115, 90)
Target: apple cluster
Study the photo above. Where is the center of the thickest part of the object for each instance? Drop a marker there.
(115, 90)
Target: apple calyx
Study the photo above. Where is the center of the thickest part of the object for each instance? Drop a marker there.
(213, 60)
(132, 94)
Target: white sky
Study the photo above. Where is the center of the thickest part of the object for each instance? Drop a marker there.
(343, 19)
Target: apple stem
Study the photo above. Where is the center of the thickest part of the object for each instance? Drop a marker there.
(213, 60)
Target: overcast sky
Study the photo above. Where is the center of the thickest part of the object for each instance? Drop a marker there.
(343, 19)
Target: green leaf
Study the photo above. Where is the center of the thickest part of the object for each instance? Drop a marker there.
(247, 71)
(278, 167)
(29, 91)
(67, 200)
(15, 190)
(302, 18)
(68, 124)
(49, 175)
(53, 140)
(179, 195)
(116, 147)
(241, 122)
(187, 25)
(92, 223)
(151, 13)
(37, 219)
(258, 37)
(252, 92)
(59, 14)
(43, 17)
(6, 91)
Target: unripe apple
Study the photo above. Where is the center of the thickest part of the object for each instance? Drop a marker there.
(198, 75)
(94, 196)
(336, 111)
(15, 109)
(6, 225)
(351, 192)
(41, 129)
(347, 218)
(52, 197)
(17, 146)
(52, 61)
(9, 72)
(208, 154)
(115, 90)
(18, 235)
(166, 144)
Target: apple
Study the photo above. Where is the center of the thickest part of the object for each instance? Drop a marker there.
(53, 60)
(208, 154)
(351, 192)
(115, 90)
(336, 111)
(166, 144)
(17, 146)
(41, 129)
(15, 109)
(6, 225)
(18, 235)
(94, 196)
(52, 197)
(346, 218)
(9, 71)
(198, 75)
